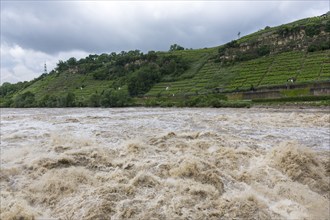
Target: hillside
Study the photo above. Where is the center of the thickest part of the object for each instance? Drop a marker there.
(293, 56)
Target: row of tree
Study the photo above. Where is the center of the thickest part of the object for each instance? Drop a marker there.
(167, 65)
(28, 99)
(108, 98)
(134, 68)
(112, 60)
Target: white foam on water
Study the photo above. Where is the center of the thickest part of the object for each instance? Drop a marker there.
(141, 163)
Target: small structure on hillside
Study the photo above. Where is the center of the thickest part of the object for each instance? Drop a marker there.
(292, 80)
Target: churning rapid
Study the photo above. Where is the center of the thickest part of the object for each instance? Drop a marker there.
(141, 163)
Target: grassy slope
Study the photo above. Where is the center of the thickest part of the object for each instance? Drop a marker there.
(262, 72)
(266, 71)
(84, 85)
(81, 85)
(204, 75)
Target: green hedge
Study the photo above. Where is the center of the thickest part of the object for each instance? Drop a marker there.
(294, 99)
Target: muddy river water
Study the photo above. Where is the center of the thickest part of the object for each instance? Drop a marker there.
(153, 163)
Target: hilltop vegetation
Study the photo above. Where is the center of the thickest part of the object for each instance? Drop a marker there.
(299, 52)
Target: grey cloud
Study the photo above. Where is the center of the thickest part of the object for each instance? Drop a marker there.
(63, 26)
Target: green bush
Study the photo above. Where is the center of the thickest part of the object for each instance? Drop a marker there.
(151, 103)
(70, 99)
(25, 100)
(263, 50)
(50, 101)
(7, 88)
(176, 47)
(234, 104)
(6, 102)
(115, 98)
(210, 100)
(94, 100)
(294, 99)
(143, 79)
(283, 31)
(67, 100)
(318, 46)
(231, 44)
(100, 74)
(327, 26)
(166, 104)
(312, 30)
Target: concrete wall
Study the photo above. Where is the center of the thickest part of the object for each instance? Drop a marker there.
(316, 89)
(262, 95)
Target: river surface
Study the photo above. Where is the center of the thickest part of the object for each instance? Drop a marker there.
(155, 163)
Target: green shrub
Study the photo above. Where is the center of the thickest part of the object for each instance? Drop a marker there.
(6, 102)
(210, 100)
(70, 99)
(25, 100)
(294, 99)
(312, 30)
(327, 26)
(263, 50)
(151, 103)
(49, 101)
(318, 46)
(100, 74)
(115, 98)
(143, 79)
(94, 100)
(67, 100)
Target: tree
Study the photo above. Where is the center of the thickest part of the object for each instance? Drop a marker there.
(67, 100)
(6, 88)
(172, 65)
(114, 98)
(61, 66)
(143, 79)
(70, 99)
(100, 74)
(49, 101)
(72, 61)
(151, 56)
(94, 100)
(327, 26)
(263, 50)
(175, 47)
(26, 99)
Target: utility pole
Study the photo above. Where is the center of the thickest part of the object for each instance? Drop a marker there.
(45, 68)
(239, 34)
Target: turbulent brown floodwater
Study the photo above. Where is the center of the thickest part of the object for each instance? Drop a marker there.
(141, 163)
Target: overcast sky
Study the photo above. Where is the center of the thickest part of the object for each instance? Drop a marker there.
(35, 32)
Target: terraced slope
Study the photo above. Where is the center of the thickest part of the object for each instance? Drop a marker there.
(81, 85)
(262, 72)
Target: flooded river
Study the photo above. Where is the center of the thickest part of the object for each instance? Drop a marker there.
(153, 163)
